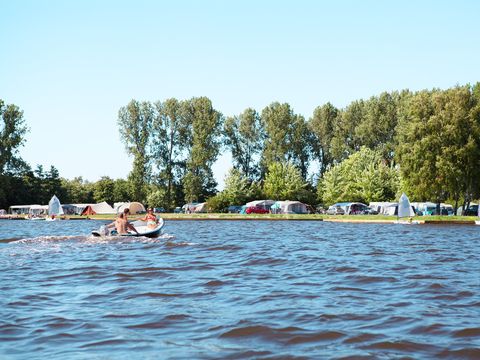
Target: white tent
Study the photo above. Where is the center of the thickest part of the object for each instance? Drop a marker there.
(382, 207)
(200, 208)
(19, 209)
(38, 209)
(289, 207)
(102, 208)
(135, 207)
(391, 209)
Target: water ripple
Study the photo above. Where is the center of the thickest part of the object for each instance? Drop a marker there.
(240, 290)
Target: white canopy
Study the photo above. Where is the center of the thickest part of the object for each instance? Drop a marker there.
(102, 208)
(135, 207)
(200, 208)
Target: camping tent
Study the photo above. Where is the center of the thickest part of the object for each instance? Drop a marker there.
(38, 209)
(289, 207)
(102, 208)
(88, 210)
(200, 208)
(381, 206)
(189, 208)
(265, 204)
(134, 207)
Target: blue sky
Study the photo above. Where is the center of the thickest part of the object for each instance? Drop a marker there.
(70, 65)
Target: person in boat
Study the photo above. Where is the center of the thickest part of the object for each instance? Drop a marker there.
(126, 212)
(121, 224)
(151, 219)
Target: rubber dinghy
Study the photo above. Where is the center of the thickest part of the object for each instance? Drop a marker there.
(141, 226)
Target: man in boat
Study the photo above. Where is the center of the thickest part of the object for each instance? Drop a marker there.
(151, 219)
(126, 212)
(121, 224)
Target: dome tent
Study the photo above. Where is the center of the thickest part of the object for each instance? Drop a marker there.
(134, 207)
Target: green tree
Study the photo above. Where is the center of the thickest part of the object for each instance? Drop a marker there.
(364, 176)
(12, 136)
(322, 126)
(377, 128)
(438, 144)
(103, 190)
(156, 197)
(287, 137)
(78, 191)
(121, 191)
(237, 187)
(52, 184)
(135, 126)
(204, 123)
(344, 141)
(284, 181)
(169, 141)
(244, 136)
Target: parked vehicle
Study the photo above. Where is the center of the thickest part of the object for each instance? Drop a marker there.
(370, 211)
(234, 209)
(256, 210)
(335, 210)
(472, 210)
(178, 210)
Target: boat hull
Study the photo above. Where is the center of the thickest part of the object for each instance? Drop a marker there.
(142, 228)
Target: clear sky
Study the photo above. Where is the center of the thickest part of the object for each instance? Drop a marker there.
(70, 65)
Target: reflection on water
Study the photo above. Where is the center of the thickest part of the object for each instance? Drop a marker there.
(231, 289)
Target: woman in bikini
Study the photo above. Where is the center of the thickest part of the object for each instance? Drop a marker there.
(150, 219)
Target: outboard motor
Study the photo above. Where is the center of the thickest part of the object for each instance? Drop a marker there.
(104, 231)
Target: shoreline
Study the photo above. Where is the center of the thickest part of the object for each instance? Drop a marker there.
(366, 219)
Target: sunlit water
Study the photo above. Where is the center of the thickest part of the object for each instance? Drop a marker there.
(240, 289)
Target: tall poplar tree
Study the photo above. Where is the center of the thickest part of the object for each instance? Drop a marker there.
(169, 142)
(135, 126)
(322, 125)
(204, 123)
(244, 135)
(12, 136)
(287, 138)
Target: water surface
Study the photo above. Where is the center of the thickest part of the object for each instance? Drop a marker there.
(234, 290)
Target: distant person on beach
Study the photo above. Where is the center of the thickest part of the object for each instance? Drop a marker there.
(150, 218)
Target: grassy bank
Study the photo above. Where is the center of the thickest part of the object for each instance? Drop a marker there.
(308, 217)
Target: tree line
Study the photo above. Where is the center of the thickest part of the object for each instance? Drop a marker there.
(426, 143)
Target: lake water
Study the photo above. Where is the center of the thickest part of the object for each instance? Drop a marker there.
(240, 290)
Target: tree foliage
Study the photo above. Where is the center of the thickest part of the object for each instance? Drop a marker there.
(438, 144)
(364, 177)
(204, 124)
(135, 124)
(12, 136)
(284, 181)
(433, 137)
(287, 138)
(169, 142)
(244, 136)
